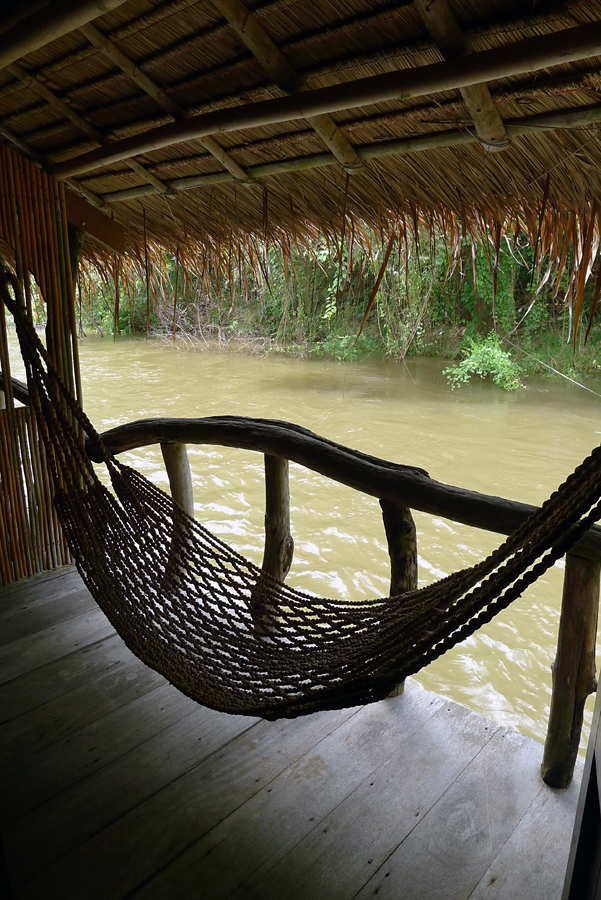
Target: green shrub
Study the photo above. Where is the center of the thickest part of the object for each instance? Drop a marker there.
(486, 358)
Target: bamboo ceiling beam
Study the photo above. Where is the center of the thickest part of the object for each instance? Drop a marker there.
(566, 119)
(444, 30)
(50, 23)
(259, 42)
(104, 45)
(35, 82)
(517, 59)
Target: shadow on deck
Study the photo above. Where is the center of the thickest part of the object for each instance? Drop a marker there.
(115, 785)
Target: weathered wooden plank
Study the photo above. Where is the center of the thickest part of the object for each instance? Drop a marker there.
(74, 710)
(42, 587)
(25, 785)
(280, 815)
(65, 674)
(92, 221)
(451, 848)
(52, 643)
(150, 836)
(34, 842)
(34, 615)
(337, 854)
(532, 863)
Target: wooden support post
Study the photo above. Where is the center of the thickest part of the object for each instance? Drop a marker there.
(180, 478)
(279, 545)
(402, 549)
(573, 669)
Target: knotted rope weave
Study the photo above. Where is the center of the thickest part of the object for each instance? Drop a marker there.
(224, 632)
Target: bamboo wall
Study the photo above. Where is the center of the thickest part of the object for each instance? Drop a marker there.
(33, 229)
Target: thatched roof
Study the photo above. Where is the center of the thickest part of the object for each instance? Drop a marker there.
(407, 146)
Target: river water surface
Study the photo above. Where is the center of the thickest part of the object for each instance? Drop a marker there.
(517, 445)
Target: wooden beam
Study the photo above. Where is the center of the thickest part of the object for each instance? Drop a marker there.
(95, 223)
(444, 30)
(259, 42)
(571, 118)
(406, 485)
(104, 45)
(50, 23)
(524, 56)
(19, 389)
(40, 86)
(37, 84)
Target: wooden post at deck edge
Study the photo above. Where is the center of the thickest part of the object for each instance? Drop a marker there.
(573, 669)
(402, 549)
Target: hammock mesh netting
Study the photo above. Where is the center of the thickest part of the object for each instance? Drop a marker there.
(219, 628)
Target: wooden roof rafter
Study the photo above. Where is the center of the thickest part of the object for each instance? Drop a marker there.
(161, 96)
(444, 30)
(571, 119)
(273, 61)
(416, 46)
(521, 57)
(158, 103)
(92, 132)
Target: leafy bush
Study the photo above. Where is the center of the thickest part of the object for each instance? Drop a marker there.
(485, 357)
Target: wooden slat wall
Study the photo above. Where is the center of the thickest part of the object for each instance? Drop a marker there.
(33, 225)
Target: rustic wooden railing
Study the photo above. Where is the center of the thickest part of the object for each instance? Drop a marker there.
(399, 489)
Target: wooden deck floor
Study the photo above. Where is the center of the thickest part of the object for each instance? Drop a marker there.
(114, 785)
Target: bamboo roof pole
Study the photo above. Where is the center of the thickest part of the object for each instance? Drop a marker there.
(444, 30)
(573, 118)
(52, 22)
(255, 37)
(524, 56)
(162, 97)
(37, 84)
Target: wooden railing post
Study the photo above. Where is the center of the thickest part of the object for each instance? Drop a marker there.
(279, 545)
(573, 669)
(402, 549)
(177, 465)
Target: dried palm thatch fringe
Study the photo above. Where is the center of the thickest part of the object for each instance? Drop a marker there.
(221, 630)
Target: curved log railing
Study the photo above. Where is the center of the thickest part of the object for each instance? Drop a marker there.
(399, 489)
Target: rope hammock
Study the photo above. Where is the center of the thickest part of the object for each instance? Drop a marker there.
(224, 632)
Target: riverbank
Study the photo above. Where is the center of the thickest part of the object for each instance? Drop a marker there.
(514, 357)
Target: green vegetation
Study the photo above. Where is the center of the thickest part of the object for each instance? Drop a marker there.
(486, 357)
(500, 313)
